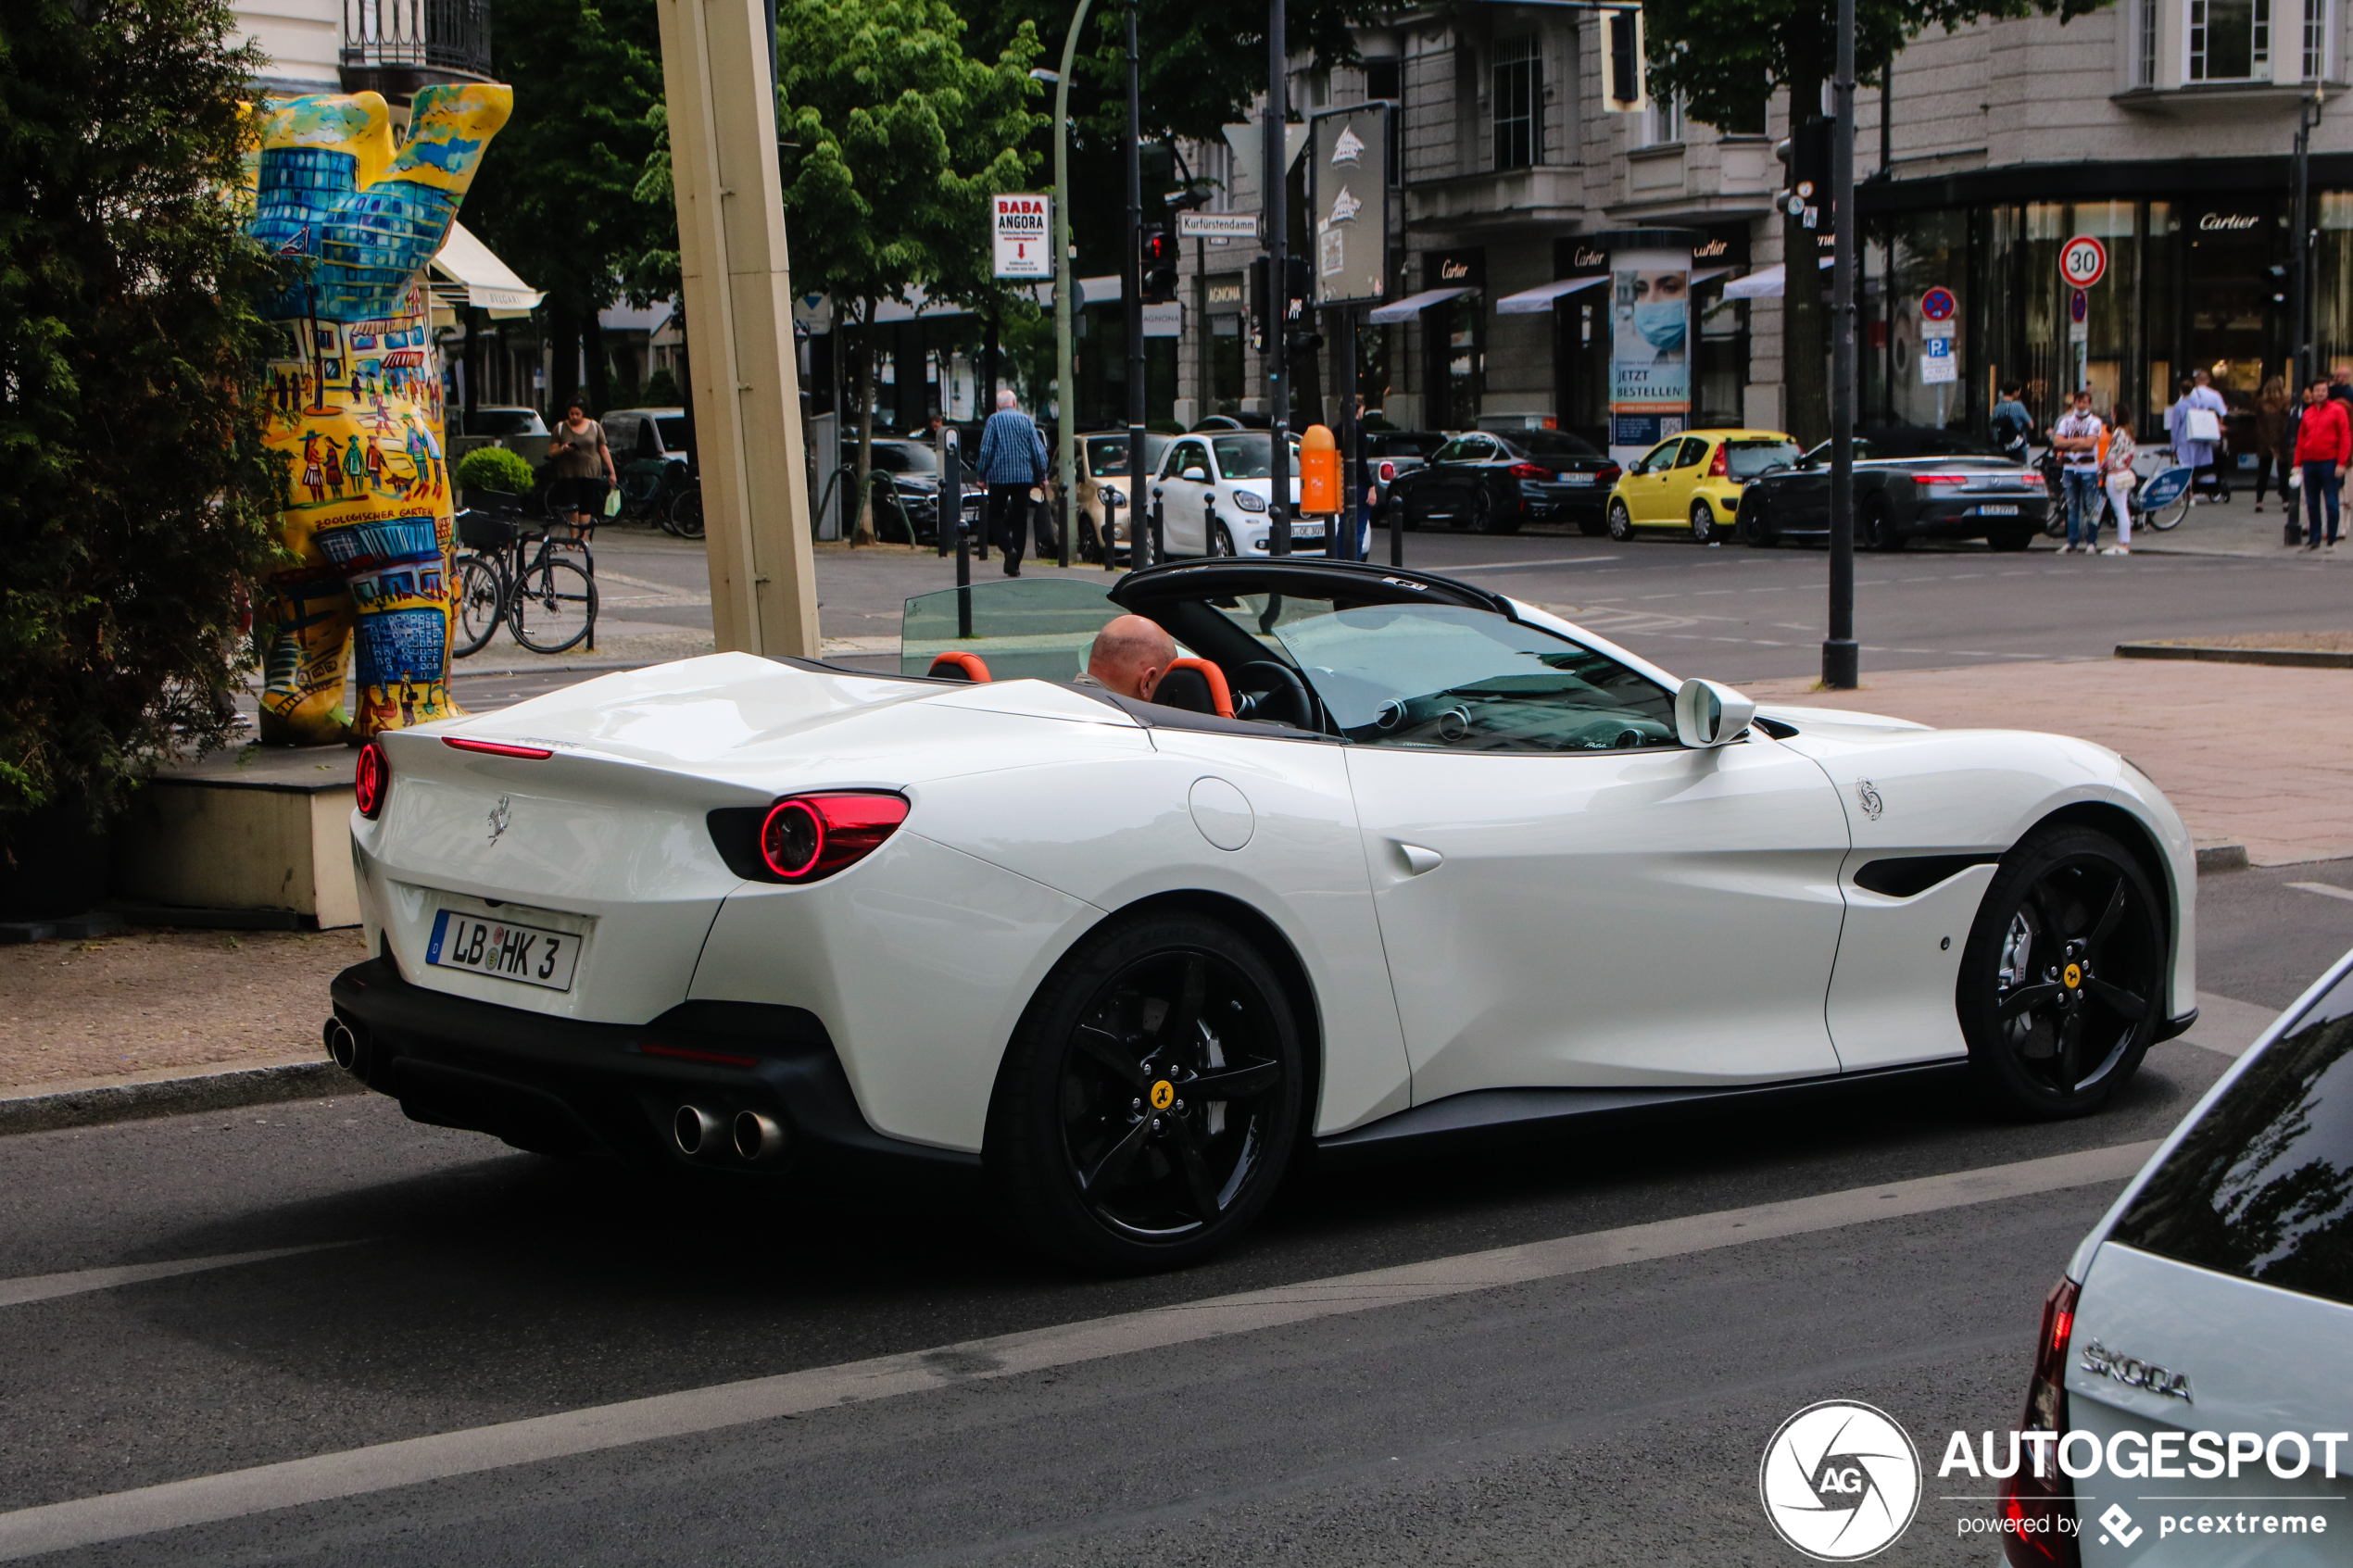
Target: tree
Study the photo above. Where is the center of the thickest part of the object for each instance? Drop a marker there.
(1726, 58)
(554, 194)
(137, 508)
(892, 140)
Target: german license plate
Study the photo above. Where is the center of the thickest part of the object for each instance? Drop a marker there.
(1997, 512)
(503, 948)
(1586, 479)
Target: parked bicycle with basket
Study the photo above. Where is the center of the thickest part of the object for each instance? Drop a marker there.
(522, 578)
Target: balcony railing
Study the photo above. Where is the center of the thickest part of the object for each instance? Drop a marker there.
(403, 44)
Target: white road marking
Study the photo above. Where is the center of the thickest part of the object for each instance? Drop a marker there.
(1524, 565)
(356, 1472)
(2326, 890)
(44, 1288)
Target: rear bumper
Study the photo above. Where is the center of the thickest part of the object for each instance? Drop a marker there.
(561, 1087)
(1968, 520)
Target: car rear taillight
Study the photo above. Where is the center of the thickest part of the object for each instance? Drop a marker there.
(2035, 1497)
(1388, 472)
(805, 837)
(1528, 471)
(1720, 466)
(372, 782)
(1607, 475)
(1943, 480)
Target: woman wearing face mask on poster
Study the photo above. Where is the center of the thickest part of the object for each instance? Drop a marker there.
(1650, 351)
(1652, 318)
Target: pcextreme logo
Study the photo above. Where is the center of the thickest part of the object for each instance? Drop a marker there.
(1840, 1480)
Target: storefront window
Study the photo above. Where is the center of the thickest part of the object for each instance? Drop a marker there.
(2333, 338)
(1226, 364)
(2230, 40)
(1925, 251)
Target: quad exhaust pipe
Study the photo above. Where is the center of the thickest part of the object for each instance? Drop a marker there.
(755, 1138)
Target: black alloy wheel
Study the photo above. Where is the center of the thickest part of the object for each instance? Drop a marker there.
(1752, 530)
(1875, 532)
(1151, 1100)
(2062, 984)
(1622, 523)
(1704, 528)
(1483, 519)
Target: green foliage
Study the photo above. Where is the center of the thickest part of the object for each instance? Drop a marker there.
(892, 141)
(494, 468)
(137, 508)
(662, 391)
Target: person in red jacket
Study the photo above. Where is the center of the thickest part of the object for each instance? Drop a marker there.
(2323, 446)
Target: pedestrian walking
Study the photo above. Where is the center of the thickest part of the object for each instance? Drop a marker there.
(1012, 462)
(2196, 425)
(580, 461)
(2323, 447)
(2012, 423)
(2076, 438)
(2274, 446)
(2118, 478)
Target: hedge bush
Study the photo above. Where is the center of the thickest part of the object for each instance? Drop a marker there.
(494, 468)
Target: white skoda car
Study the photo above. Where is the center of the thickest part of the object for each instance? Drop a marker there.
(2196, 1361)
(1387, 858)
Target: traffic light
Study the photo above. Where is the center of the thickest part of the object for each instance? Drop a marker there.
(1156, 264)
(1302, 298)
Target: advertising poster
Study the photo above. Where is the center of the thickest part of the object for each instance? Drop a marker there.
(1650, 356)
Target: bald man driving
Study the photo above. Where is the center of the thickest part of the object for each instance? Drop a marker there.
(1129, 657)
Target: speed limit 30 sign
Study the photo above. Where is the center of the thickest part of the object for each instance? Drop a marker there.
(2083, 261)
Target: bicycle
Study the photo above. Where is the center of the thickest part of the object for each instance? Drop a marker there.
(683, 518)
(546, 599)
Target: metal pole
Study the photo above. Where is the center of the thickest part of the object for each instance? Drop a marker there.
(1278, 284)
(2299, 289)
(1342, 541)
(1132, 293)
(1066, 380)
(1840, 659)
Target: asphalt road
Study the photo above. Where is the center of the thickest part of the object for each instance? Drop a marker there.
(1614, 1414)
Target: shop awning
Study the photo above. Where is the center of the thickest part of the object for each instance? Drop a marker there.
(1413, 305)
(1766, 282)
(1536, 301)
(466, 273)
(1708, 276)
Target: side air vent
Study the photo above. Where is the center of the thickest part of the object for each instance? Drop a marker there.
(1904, 876)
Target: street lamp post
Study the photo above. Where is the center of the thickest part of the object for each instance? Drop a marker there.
(1840, 659)
(1277, 175)
(1132, 295)
(1066, 379)
(2299, 357)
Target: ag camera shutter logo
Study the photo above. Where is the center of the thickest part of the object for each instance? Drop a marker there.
(1840, 1480)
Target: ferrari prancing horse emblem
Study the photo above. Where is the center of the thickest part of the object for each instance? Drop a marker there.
(1164, 1095)
(499, 816)
(1867, 797)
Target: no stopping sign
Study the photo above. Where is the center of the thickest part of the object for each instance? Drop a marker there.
(2083, 261)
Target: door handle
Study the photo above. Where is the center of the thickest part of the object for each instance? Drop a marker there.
(1419, 859)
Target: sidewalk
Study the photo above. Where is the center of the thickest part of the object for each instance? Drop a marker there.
(2248, 754)
(2235, 528)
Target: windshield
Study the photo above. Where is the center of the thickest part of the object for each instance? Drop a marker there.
(1458, 678)
(2262, 1186)
(1551, 444)
(1250, 456)
(1746, 460)
(1108, 454)
(1037, 628)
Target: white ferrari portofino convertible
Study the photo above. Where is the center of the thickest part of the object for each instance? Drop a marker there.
(1387, 857)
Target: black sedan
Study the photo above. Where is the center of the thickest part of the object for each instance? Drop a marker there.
(1956, 489)
(1493, 484)
(912, 467)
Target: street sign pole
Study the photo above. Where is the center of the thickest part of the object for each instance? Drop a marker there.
(1278, 283)
(1840, 659)
(1066, 379)
(1132, 295)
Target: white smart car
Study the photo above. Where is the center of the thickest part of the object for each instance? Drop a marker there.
(2197, 1357)
(1388, 857)
(1210, 496)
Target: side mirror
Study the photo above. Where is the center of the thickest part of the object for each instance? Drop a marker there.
(1198, 474)
(1709, 713)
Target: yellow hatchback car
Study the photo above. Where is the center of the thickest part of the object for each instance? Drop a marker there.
(1692, 481)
